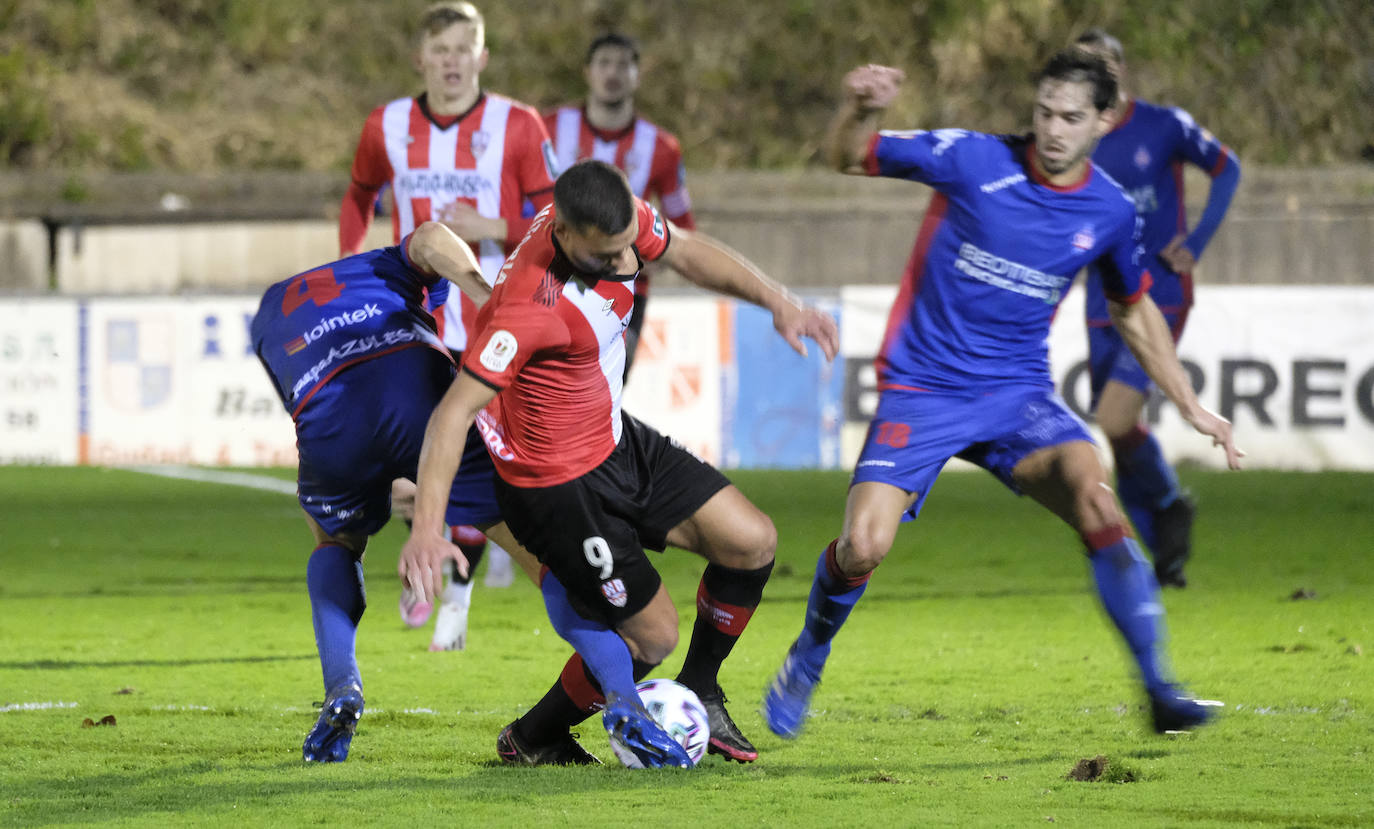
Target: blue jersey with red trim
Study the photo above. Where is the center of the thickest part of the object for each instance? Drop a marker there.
(310, 327)
(996, 254)
(1145, 153)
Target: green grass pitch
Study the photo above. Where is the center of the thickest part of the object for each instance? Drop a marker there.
(975, 673)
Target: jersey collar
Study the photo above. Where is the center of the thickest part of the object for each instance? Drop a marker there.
(423, 101)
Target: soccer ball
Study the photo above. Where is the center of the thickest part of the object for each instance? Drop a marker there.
(679, 711)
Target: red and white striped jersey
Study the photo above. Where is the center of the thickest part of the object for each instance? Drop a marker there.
(494, 157)
(553, 345)
(650, 156)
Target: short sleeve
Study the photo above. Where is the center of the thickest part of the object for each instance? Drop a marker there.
(371, 167)
(668, 180)
(928, 156)
(538, 165)
(1124, 277)
(513, 334)
(653, 231)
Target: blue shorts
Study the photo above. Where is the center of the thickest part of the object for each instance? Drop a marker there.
(364, 428)
(1109, 358)
(915, 433)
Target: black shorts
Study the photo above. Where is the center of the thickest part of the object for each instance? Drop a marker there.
(592, 531)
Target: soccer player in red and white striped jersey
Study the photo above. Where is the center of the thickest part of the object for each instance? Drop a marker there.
(607, 127)
(584, 485)
(471, 159)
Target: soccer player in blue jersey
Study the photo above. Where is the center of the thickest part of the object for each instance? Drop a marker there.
(964, 371)
(1145, 152)
(356, 360)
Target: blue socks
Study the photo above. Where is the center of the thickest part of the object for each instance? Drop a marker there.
(337, 600)
(833, 596)
(604, 653)
(1146, 482)
(1130, 594)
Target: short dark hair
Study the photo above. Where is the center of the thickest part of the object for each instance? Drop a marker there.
(613, 39)
(1097, 38)
(1079, 65)
(595, 194)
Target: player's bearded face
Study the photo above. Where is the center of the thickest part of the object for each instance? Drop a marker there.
(598, 255)
(1066, 125)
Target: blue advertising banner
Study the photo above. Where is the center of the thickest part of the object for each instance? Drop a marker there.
(780, 410)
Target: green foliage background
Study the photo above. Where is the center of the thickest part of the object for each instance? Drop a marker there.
(223, 85)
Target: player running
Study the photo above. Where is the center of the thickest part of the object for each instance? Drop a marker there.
(585, 486)
(607, 127)
(358, 364)
(964, 371)
(1145, 152)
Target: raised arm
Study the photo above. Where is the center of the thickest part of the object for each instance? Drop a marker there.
(420, 564)
(710, 264)
(1146, 333)
(437, 250)
(868, 90)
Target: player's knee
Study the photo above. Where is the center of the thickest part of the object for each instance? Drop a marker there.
(1097, 508)
(752, 543)
(652, 643)
(861, 550)
(761, 542)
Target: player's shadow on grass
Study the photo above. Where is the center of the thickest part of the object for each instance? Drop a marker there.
(203, 788)
(69, 664)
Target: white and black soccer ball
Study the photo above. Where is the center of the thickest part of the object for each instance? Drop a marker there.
(676, 708)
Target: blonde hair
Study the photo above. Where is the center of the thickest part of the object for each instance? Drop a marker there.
(440, 16)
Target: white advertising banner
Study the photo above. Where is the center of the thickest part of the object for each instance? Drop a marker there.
(176, 381)
(40, 358)
(1291, 366)
(676, 382)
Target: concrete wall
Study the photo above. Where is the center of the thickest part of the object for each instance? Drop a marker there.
(23, 257)
(193, 257)
(810, 229)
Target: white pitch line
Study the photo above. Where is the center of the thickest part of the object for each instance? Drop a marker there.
(219, 476)
(34, 706)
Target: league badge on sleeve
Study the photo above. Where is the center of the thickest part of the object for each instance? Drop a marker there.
(658, 223)
(499, 351)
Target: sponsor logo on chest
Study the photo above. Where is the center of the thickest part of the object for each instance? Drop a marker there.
(442, 185)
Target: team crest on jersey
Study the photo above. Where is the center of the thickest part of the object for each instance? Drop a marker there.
(499, 351)
(1084, 239)
(1142, 157)
(614, 591)
(480, 141)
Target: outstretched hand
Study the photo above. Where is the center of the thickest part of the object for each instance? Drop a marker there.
(1218, 429)
(872, 86)
(796, 321)
(421, 564)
